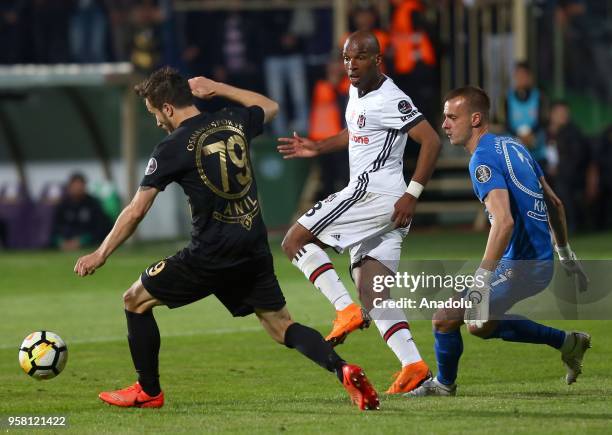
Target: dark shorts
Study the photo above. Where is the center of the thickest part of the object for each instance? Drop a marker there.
(175, 281)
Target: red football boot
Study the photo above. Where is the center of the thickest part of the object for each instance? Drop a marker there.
(359, 388)
(132, 396)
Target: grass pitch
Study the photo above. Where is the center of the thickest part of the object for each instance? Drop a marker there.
(222, 374)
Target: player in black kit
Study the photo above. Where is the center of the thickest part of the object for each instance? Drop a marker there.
(207, 154)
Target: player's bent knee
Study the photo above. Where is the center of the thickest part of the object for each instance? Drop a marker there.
(137, 300)
(443, 321)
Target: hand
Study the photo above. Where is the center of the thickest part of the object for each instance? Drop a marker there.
(572, 266)
(479, 295)
(203, 87)
(88, 264)
(404, 210)
(296, 146)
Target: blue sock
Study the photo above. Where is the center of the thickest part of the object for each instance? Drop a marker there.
(448, 347)
(522, 330)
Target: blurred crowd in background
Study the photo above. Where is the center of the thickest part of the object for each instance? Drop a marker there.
(292, 56)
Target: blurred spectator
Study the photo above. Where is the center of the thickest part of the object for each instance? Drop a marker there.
(326, 119)
(2, 234)
(525, 113)
(89, 32)
(48, 24)
(235, 52)
(569, 157)
(284, 68)
(365, 17)
(146, 19)
(199, 42)
(79, 220)
(414, 57)
(11, 28)
(604, 166)
(121, 28)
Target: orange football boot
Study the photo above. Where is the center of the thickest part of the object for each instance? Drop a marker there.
(347, 320)
(358, 386)
(132, 396)
(410, 377)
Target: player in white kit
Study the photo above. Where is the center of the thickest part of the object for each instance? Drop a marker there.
(371, 216)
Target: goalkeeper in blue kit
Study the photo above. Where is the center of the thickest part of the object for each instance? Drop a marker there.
(518, 259)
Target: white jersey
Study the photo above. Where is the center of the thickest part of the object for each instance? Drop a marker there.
(378, 125)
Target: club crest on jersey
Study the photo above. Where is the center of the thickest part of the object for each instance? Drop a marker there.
(361, 121)
(151, 166)
(483, 173)
(404, 107)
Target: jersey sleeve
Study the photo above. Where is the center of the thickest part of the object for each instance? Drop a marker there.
(163, 167)
(255, 121)
(400, 113)
(487, 174)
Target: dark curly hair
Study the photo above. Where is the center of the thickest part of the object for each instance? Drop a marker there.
(165, 85)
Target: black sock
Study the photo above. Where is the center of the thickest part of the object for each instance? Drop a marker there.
(144, 341)
(311, 344)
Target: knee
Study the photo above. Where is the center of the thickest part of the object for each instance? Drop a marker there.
(129, 300)
(442, 325)
(132, 302)
(442, 322)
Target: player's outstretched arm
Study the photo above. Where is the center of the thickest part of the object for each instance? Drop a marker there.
(426, 136)
(124, 227)
(206, 88)
(297, 146)
(558, 225)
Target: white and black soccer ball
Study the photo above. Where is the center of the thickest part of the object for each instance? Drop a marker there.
(43, 355)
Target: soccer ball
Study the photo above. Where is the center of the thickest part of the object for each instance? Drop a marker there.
(43, 355)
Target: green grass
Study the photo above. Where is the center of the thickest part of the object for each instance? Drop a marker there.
(225, 375)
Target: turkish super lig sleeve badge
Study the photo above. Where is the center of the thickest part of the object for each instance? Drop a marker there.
(404, 107)
(151, 166)
(483, 173)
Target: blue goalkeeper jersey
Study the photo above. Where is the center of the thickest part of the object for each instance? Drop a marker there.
(504, 163)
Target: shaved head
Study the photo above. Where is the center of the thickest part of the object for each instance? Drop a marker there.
(363, 41)
(362, 61)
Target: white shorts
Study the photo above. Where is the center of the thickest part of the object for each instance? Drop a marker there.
(359, 221)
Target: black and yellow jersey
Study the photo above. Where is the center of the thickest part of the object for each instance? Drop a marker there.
(208, 156)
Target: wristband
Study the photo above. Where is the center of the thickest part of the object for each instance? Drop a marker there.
(415, 188)
(564, 252)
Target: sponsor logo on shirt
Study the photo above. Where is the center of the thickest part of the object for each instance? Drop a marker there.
(151, 166)
(360, 139)
(483, 173)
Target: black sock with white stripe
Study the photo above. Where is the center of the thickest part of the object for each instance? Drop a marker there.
(317, 267)
(394, 328)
